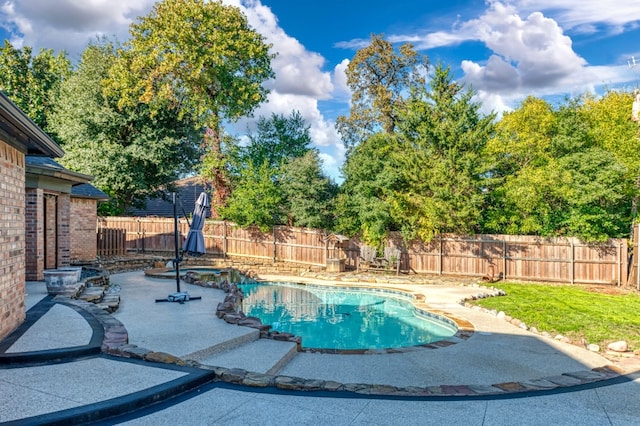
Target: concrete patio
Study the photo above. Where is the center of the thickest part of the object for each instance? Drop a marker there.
(502, 374)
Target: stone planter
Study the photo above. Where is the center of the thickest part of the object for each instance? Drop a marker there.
(62, 280)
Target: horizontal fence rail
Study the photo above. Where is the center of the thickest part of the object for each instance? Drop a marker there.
(523, 258)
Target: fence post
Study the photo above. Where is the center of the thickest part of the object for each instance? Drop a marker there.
(137, 236)
(573, 262)
(225, 242)
(326, 247)
(274, 244)
(619, 274)
(504, 259)
(440, 255)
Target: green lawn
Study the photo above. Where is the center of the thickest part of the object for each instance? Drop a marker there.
(573, 311)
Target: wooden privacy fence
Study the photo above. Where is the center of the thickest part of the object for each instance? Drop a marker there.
(286, 244)
(524, 258)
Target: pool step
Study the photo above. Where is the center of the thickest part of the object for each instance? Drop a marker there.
(229, 343)
(260, 356)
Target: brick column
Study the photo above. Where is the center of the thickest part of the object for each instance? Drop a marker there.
(50, 223)
(34, 242)
(64, 230)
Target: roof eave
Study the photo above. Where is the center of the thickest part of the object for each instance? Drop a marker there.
(32, 136)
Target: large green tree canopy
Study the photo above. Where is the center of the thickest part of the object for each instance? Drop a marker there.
(32, 82)
(566, 171)
(201, 58)
(443, 135)
(131, 151)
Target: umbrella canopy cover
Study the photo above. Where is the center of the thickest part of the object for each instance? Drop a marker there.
(194, 244)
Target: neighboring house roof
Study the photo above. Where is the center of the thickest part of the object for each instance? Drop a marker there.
(187, 191)
(21, 132)
(86, 190)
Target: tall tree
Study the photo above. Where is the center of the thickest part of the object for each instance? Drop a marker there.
(32, 82)
(612, 129)
(521, 196)
(256, 199)
(443, 136)
(379, 77)
(278, 179)
(200, 57)
(278, 139)
(369, 195)
(307, 193)
(131, 151)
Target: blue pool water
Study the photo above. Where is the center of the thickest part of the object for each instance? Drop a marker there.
(341, 319)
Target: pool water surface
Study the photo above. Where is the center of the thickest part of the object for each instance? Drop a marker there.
(330, 318)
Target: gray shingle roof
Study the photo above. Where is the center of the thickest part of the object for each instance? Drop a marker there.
(187, 190)
(86, 190)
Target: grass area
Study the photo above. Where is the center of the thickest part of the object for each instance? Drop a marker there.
(597, 315)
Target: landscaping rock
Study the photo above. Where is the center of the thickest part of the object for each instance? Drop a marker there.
(593, 347)
(619, 346)
(163, 358)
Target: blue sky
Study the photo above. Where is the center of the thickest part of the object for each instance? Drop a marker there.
(505, 49)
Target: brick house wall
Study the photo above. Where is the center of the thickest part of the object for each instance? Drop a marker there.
(83, 231)
(34, 219)
(20, 138)
(12, 237)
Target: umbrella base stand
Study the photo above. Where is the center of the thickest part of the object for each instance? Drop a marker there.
(179, 297)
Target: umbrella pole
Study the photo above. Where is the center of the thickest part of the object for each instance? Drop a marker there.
(178, 296)
(176, 261)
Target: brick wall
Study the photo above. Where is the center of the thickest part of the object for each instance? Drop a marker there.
(34, 218)
(64, 228)
(12, 225)
(83, 232)
(50, 230)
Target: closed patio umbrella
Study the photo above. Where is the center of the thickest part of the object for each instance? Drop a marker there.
(194, 244)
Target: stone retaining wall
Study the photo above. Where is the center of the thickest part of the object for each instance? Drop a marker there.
(137, 262)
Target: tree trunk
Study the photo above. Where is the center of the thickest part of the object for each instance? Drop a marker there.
(217, 173)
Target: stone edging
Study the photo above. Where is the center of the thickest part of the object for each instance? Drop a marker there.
(115, 342)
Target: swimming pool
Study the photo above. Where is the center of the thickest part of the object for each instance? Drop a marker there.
(340, 319)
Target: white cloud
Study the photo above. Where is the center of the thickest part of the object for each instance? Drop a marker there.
(299, 84)
(577, 13)
(298, 71)
(532, 55)
(341, 89)
(68, 24)
(528, 53)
